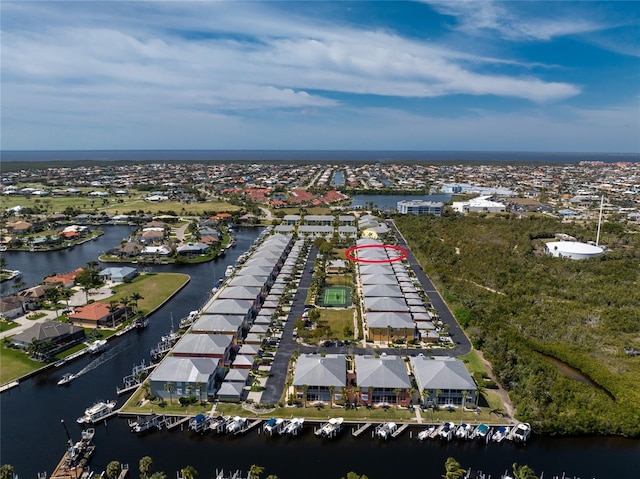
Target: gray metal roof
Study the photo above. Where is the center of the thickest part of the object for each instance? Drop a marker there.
(203, 343)
(189, 370)
(324, 371)
(441, 373)
(385, 319)
(248, 280)
(378, 279)
(377, 290)
(218, 322)
(376, 269)
(237, 375)
(240, 292)
(230, 306)
(382, 372)
(385, 304)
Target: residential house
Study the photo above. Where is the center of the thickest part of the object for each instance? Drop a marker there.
(443, 381)
(11, 307)
(320, 377)
(382, 380)
(175, 377)
(66, 280)
(94, 315)
(219, 346)
(118, 274)
(59, 334)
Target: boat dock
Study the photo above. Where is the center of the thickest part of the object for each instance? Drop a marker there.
(361, 429)
(137, 376)
(399, 431)
(250, 426)
(171, 422)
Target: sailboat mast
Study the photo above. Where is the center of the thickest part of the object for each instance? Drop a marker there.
(599, 220)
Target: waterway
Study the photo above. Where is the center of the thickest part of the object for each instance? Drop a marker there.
(32, 438)
(390, 202)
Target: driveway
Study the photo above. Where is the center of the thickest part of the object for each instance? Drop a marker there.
(275, 384)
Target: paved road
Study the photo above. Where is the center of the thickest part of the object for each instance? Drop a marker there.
(463, 345)
(275, 384)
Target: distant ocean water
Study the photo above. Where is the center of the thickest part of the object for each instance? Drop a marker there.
(317, 156)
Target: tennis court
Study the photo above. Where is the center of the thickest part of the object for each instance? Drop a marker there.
(337, 296)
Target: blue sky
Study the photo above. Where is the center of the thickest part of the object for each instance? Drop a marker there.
(428, 75)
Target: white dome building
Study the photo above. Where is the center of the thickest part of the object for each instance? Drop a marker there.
(573, 249)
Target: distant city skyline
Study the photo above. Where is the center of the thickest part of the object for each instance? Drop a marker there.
(427, 75)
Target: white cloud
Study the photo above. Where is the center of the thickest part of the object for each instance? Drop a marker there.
(234, 75)
(505, 18)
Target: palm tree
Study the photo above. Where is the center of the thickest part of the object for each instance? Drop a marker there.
(6, 471)
(398, 391)
(523, 472)
(189, 472)
(438, 394)
(169, 388)
(199, 386)
(255, 471)
(453, 469)
(304, 392)
(53, 295)
(113, 307)
(331, 391)
(146, 387)
(145, 467)
(465, 395)
(135, 297)
(113, 469)
(66, 295)
(126, 302)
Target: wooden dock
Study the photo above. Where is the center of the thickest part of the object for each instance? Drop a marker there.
(398, 431)
(252, 425)
(171, 422)
(361, 429)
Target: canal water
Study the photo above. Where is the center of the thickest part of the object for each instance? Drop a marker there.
(32, 438)
(390, 202)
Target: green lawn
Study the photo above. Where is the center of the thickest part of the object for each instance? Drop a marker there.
(7, 325)
(114, 205)
(14, 363)
(155, 288)
(337, 320)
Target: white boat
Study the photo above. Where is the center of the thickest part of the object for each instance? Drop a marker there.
(96, 412)
(229, 271)
(273, 425)
(481, 432)
(67, 378)
(447, 430)
(293, 427)
(199, 423)
(236, 425)
(521, 432)
(186, 322)
(500, 433)
(386, 429)
(464, 431)
(331, 428)
(145, 423)
(97, 346)
(426, 433)
(12, 273)
(218, 424)
(87, 434)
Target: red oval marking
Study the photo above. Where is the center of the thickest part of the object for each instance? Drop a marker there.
(349, 253)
